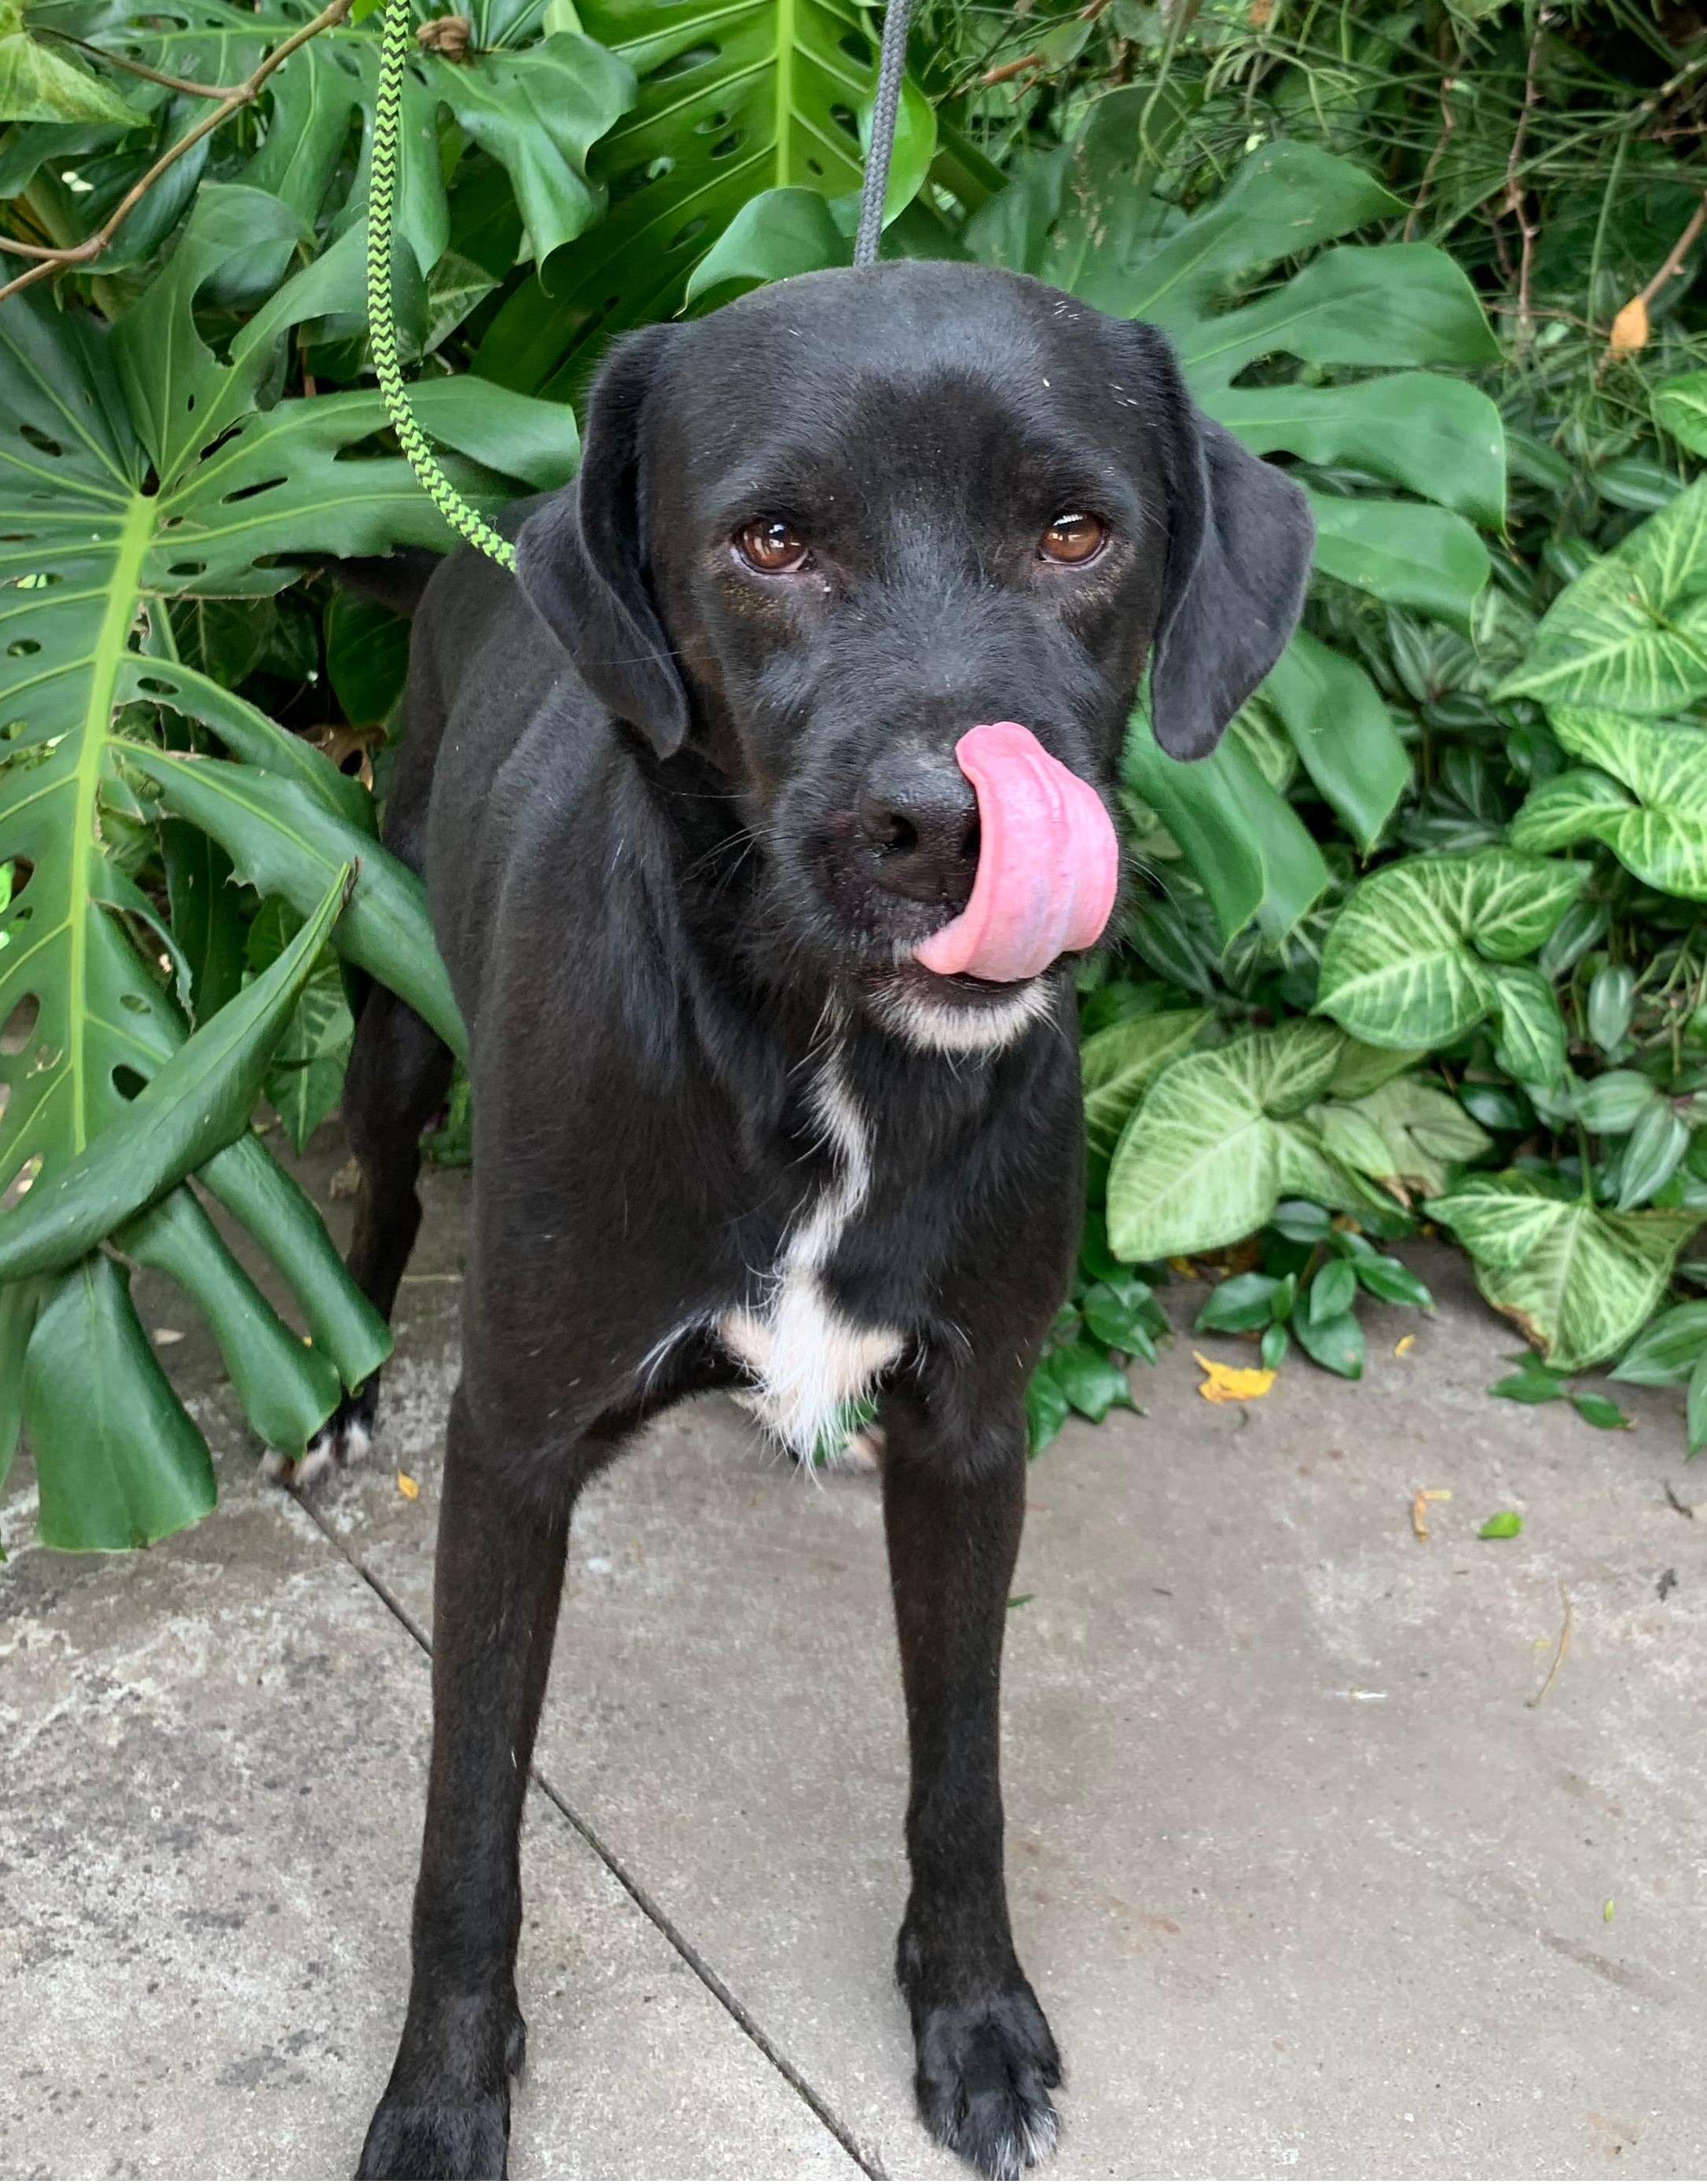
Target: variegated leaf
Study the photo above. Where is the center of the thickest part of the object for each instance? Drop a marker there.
(1404, 964)
(1213, 1150)
(1630, 634)
(1579, 1281)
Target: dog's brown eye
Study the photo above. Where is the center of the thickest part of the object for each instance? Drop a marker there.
(773, 548)
(1072, 537)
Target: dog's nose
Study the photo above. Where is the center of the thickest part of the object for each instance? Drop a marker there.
(918, 814)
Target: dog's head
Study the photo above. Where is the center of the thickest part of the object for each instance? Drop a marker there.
(824, 532)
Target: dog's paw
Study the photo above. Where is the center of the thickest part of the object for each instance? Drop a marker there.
(428, 2138)
(985, 2072)
(344, 1439)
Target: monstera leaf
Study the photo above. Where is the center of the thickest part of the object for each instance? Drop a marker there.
(536, 104)
(734, 100)
(136, 468)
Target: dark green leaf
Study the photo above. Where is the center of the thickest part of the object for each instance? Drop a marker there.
(1091, 1384)
(1242, 840)
(1596, 1410)
(286, 843)
(366, 656)
(1331, 1294)
(1341, 730)
(1046, 1407)
(1394, 1283)
(287, 1388)
(1534, 1384)
(118, 1461)
(1238, 1306)
(1337, 1344)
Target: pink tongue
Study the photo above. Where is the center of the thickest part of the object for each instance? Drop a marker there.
(1047, 865)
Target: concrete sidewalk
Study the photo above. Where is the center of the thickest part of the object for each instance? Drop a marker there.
(1304, 1879)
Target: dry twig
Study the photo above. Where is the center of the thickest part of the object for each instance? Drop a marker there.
(86, 252)
(1448, 123)
(138, 68)
(1559, 1654)
(1516, 197)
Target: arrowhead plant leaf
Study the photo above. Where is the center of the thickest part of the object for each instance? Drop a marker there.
(1578, 1280)
(1220, 1139)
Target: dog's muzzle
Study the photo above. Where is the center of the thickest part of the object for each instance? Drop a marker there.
(1048, 864)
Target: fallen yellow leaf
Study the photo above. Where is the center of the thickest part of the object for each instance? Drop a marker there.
(1405, 1346)
(1630, 328)
(1184, 1268)
(1420, 1500)
(1232, 1383)
(406, 1486)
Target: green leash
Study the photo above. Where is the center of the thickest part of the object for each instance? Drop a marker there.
(381, 204)
(382, 325)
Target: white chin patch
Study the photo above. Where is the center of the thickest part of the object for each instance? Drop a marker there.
(944, 1024)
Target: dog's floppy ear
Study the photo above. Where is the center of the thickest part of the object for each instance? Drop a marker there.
(581, 560)
(1238, 560)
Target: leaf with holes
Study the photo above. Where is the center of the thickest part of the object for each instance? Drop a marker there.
(536, 104)
(136, 469)
(733, 101)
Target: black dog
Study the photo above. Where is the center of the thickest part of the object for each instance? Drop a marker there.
(686, 798)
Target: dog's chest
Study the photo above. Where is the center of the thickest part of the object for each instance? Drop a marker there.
(810, 1362)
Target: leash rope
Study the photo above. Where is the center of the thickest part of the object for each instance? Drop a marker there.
(382, 324)
(891, 67)
(381, 204)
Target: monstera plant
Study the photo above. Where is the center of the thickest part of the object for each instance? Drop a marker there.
(137, 470)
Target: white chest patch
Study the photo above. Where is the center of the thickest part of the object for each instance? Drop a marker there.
(810, 1361)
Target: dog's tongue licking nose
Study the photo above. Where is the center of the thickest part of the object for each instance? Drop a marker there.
(1047, 861)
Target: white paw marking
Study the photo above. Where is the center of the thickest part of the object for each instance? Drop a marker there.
(335, 1447)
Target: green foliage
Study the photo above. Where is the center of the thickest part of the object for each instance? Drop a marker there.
(1426, 934)
(1312, 1273)
(153, 477)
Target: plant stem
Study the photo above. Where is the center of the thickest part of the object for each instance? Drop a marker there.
(85, 253)
(153, 75)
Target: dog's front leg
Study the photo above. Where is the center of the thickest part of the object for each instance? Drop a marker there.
(498, 1582)
(954, 1496)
